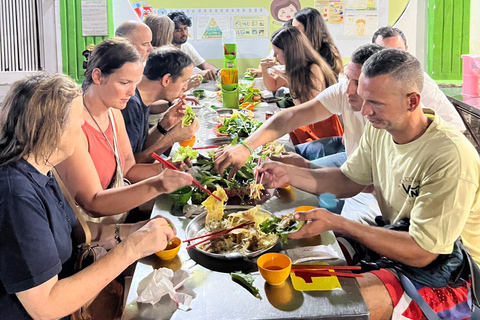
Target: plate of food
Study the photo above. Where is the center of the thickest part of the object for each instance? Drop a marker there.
(218, 134)
(238, 124)
(248, 241)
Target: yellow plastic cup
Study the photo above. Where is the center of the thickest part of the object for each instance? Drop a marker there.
(171, 250)
(274, 268)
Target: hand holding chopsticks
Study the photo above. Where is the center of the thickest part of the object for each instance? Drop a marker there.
(256, 171)
(171, 166)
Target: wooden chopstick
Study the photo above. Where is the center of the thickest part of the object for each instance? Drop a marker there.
(216, 234)
(318, 267)
(326, 273)
(171, 166)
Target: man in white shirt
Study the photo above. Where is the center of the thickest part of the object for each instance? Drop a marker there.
(432, 97)
(180, 37)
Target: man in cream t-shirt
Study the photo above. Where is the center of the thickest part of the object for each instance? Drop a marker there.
(422, 168)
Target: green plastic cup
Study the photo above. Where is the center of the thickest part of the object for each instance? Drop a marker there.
(230, 99)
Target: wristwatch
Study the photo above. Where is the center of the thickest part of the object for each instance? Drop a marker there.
(161, 129)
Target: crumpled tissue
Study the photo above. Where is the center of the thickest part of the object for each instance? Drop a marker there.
(161, 282)
(312, 253)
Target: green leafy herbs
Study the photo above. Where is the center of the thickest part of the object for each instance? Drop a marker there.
(246, 281)
(239, 125)
(188, 118)
(198, 196)
(249, 94)
(183, 153)
(209, 176)
(200, 93)
(282, 226)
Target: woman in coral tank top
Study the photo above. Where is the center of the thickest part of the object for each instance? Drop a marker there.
(306, 74)
(90, 174)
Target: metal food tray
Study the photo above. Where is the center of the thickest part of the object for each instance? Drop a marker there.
(198, 223)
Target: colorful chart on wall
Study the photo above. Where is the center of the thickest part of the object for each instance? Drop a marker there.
(350, 22)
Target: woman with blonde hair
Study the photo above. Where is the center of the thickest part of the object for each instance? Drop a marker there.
(40, 120)
(162, 29)
(103, 154)
(310, 22)
(306, 74)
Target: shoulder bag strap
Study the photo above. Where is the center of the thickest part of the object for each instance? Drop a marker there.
(475, 276)
(71, 201)
(115, 144)
(413, 293)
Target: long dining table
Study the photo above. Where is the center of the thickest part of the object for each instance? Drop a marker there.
(216, 296)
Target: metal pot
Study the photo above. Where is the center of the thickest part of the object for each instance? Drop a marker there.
(197, 224)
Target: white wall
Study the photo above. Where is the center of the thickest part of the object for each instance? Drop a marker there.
(122, 11)
(413, 23)
(474, 27)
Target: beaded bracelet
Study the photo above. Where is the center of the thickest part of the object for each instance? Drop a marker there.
(117, 233)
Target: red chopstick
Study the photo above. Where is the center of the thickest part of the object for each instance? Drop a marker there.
(171, 166)
(207, 147)
(320, 267)
(216, 234)
(256, 171)
(213, 233)
(261, 177)
(326, 273)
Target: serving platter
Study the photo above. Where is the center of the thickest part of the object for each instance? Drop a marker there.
(198, 223)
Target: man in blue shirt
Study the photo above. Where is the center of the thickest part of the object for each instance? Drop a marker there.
(165, 77)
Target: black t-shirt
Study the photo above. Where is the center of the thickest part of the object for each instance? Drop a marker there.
(36, 224)
(136, 115)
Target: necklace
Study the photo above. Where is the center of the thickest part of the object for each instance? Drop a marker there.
(98, 126)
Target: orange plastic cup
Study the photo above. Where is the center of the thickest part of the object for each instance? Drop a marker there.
(274, 268)
(171, 250)
(305, 208)
(188, 143)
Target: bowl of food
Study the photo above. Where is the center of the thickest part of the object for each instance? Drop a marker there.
(199, 93)
(171, 250)
(274, 267)
(188, 143)
(218, 134)
(248, 241)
